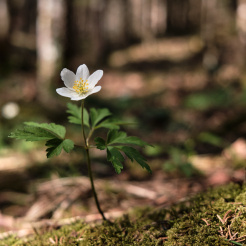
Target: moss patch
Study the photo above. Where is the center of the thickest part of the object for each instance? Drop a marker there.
(207, 219)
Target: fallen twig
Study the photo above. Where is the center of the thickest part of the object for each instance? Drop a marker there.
(229, 232)
(205, 222)
(242, 237)
(52, 240)
(220, 219)
(225, 216)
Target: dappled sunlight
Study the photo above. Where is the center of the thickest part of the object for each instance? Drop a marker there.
(168, 97)
(172, 49)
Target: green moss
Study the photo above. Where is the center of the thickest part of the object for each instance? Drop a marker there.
(241, 198)
(195, 222)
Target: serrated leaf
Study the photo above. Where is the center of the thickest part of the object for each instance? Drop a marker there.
(35, 132)
(58, 130)
(56, 146)
(75, 117)
(98, 115)
(114, 136)
(100, 143)
(74, 120)
(112, 124)
(108, 124)
(114, 156)
(131, 140)
(133, 154)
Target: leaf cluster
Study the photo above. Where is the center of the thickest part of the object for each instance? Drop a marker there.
(52, 133)
(97, 118)
(118, 142)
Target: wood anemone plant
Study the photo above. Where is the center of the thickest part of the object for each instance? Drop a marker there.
(78, 87)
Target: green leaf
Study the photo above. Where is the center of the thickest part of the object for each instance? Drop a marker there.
(133, 154)
(98, 115)
(36, 132)
(58, 130)
(75, 117)
(113, 152)
(56, 146)
(108, 123)
(100, 143)
(114, 136)
(112, 124)
(116, 158)
(131, 140)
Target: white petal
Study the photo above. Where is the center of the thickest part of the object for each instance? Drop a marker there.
(94, 78)
(68, 78)
(65, 92)
(79, 98)
(94, 90)
(82, 72)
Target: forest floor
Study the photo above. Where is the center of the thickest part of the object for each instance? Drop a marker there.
(195, 120)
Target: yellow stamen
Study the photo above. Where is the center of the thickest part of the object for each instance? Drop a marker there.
(80, 86)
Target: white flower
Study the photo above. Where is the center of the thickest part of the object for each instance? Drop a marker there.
(81, 85)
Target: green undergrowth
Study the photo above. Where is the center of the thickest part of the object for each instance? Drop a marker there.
(206, 219)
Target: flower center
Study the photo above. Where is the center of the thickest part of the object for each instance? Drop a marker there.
(81, 86)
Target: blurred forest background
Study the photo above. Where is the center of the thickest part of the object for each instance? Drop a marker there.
(175, 67)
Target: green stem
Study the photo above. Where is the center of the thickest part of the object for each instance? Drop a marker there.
(82, 121)
(89, 161)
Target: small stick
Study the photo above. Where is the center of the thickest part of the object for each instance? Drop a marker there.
(234, 235)
(227, 218)
(52, 240)
(163, 238)
(61, 239)
(205, 222)
(221, 231)
(220, 219)
(241, 240)
(80, 235)
(56, 239)
(229, 232)
(241, 237)
(226, 215)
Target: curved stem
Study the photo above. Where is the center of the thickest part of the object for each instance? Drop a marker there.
(92, 183)
(89, 162)
(89, 135)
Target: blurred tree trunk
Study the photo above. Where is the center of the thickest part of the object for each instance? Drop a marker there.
(241, 20)
(158, 17)
(50, 36)
(241, 28)
(69, 47)
(194, 14)
(95, 18)
(4, 33)
(114, 21)
(4, 19)
(146, 19)
(208, 15)
(177, 18)
(183, 16)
